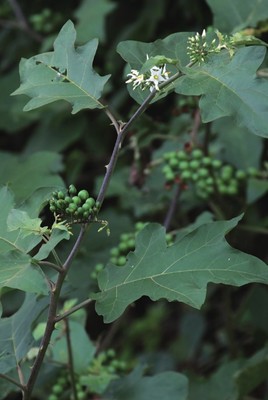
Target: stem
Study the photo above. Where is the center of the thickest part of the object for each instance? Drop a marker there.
(22, 21)
(70, 357)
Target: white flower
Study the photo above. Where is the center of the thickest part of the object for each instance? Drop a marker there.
(136, 78)
(158, 75)
(150, 79)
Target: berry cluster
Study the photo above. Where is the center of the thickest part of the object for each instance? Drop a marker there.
(95, 379)
(77, 206)
(207, 175)
(126, 244)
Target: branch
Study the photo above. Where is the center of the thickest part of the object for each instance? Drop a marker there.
(22, 22)
(70, 358)
(72, 310)
(172, 207)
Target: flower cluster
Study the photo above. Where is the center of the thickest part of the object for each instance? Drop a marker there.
(199, 47)
(150, 79)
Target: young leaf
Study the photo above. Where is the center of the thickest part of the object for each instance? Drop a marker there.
(180, 272)
(15, 332)
(66, 73)
(230, 87)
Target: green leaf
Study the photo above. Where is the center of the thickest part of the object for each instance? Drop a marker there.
(236, 14)
(26, 175)
(91, 19)
(16, 268)
(180, 272)
(166, 385)
(64, 74)
(17, 271)
(238, 146)
(13, 240)
(56, 237)
(20, 220)
(15, 332)
(230, 87)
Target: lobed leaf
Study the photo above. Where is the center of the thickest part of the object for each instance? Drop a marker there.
(231, 87)
(64, 74)
(180, 272)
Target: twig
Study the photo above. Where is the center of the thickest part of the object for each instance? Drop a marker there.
(72, 310)
(51, 265)
(196, 125)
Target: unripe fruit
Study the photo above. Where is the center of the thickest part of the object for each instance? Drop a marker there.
(90, 201)
(83, 194)
(121, 261)
(72, 190)
(194, 164)
(60, 195)
(183, 165)
(76, 200)
(197, 153)
(216, 164)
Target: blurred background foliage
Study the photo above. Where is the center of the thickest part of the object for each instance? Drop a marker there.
(211, 345)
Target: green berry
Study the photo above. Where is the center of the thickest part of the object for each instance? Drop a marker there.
(72, 190)
(68, 199)
(207, 161)
(80, 395)
(240, 174)
(252, 172)
(91, 202)
(115, 252)
(83, 194)
(203, 172)
(186, 175)
(72, 208)
(173, 162)
(170, 176)
(183, 165)
(60, 195)
(181, 155)
(99, 267)
(76, 200)
(121, 261)
(194, 164)
(52, 397)
(111, 353)
(216, 163)
(123, 246)
(52, 208)
(57, 389)
(131, 243)
(197, 154)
